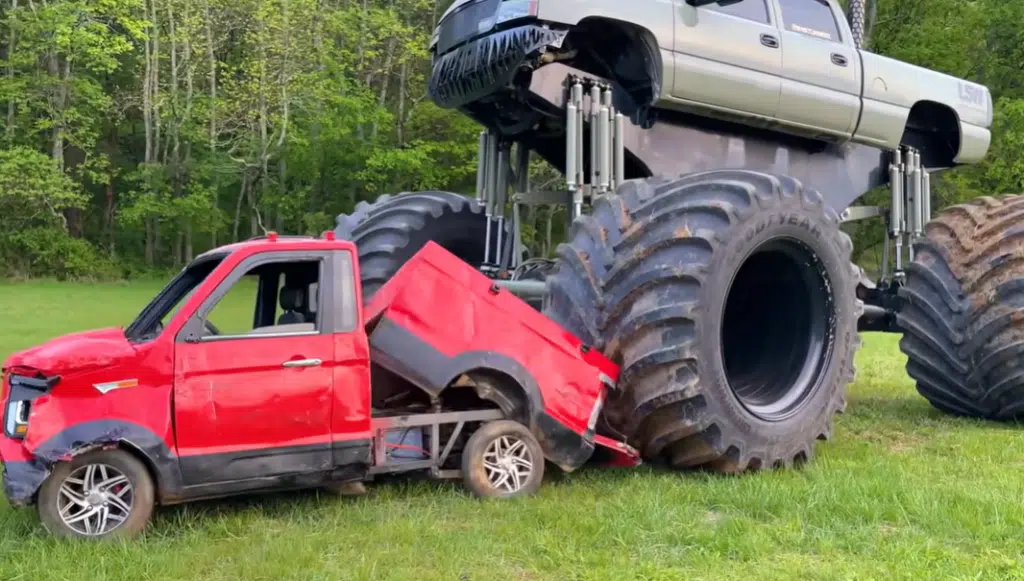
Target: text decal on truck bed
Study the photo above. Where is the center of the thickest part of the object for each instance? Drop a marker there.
(973, 95)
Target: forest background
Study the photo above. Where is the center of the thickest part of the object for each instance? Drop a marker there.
(135, 134)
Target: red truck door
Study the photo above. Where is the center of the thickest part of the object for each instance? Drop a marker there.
(254, 372)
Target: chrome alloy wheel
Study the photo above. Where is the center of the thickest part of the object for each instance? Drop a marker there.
(508, 463)
(95, 499)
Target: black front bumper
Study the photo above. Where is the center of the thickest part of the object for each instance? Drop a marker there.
(483, 66)
(21, 481)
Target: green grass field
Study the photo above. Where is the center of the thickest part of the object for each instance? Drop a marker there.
(900, 492)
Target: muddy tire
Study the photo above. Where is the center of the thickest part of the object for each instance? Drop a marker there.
(98, 495)
(960, 314)
(502, 459)
(728, 299)
(389, 231)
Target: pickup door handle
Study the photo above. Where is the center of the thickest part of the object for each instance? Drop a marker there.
(302, 363)
(838, 59)
(769, 41)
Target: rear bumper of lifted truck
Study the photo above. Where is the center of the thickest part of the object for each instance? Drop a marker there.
(469, 66)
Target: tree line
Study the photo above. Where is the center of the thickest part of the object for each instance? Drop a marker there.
(138, 133)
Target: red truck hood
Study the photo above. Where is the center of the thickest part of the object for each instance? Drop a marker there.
(74, 352)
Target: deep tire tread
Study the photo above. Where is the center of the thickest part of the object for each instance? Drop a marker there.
(393, 228)
(649, 309)
(961, 319)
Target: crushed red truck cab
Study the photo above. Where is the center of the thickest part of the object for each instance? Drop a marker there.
(297, 384)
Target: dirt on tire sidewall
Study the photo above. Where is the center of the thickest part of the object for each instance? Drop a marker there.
(788, 437)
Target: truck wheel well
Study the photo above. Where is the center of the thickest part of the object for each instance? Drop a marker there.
(622, 52)
(934, 130)
(158, 483)
(498, 388)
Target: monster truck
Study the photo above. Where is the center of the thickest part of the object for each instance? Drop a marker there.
(718, 147)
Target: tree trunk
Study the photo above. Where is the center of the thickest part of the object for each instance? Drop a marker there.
(150, 251)
(147, 96)
(179, 244)
(154, 85)
(212, 75)
(282, 190)
(400, 125)
(238, 205)
(11, 43)
(108, 216)
(382, 98)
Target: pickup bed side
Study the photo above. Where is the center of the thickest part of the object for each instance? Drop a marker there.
(438, 319)
(900, 96)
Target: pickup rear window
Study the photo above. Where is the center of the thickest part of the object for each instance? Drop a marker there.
(811, 17)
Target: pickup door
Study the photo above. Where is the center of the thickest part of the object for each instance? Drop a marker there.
(728, 57)
(821, 70)
(272, 371)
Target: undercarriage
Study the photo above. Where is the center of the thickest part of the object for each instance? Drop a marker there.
(598, 145)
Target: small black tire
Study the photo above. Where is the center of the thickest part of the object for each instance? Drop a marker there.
(142, 492)
(960, 311)
(649, 278)
(483, 443)
(393, 228)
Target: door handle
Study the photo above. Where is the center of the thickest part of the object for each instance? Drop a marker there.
(838, 59)
(769, 41)
(302, 363)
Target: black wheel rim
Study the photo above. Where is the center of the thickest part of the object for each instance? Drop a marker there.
(778, 326)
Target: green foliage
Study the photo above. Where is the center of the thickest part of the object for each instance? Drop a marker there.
(33, 192)
(150, 130)
(39, 252)
(1004, 169)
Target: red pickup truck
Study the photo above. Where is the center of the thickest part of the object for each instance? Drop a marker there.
(443, 371)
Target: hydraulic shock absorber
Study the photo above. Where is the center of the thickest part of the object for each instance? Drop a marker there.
(896, 225)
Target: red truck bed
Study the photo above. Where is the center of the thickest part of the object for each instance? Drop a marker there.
(438, 318)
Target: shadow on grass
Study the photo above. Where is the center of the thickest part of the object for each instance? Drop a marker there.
(911, 412)
(284, 502)
(410, 489)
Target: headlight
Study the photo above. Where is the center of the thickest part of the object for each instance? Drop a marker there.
(16, 419)
(511, 10)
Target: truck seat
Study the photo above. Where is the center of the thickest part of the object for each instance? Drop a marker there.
(293, 301)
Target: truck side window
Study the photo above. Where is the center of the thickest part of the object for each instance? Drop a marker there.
(811, 17)
(756, 10)
(271, 298)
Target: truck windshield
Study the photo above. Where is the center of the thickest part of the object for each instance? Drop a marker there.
(150, 322)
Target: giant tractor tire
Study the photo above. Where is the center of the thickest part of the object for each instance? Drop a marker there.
(389, 231)
(728, 299)
(961, 311)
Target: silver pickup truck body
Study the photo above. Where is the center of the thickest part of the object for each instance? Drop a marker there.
(768, 69)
